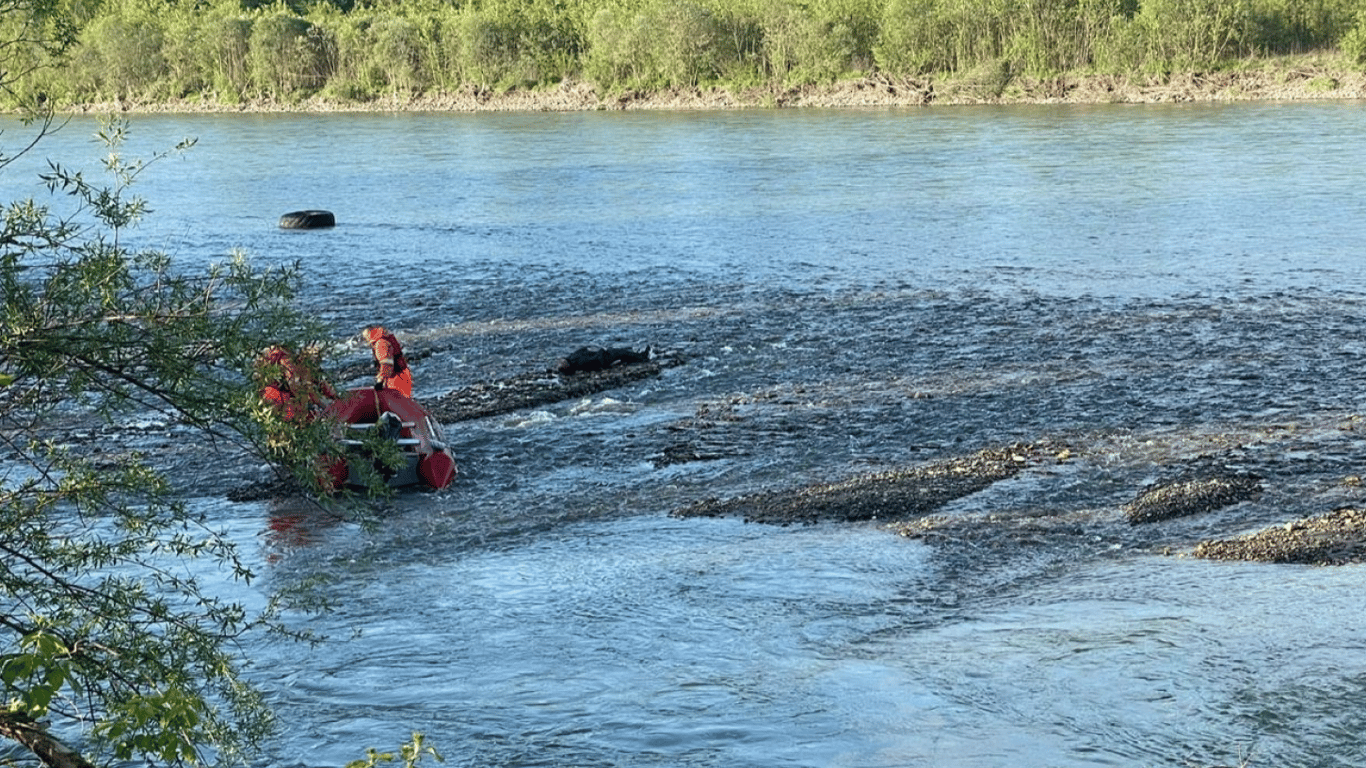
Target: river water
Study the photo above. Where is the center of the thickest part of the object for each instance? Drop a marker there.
(1156, 288)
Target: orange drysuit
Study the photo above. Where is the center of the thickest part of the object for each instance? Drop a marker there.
(391, 368)
(290, 386)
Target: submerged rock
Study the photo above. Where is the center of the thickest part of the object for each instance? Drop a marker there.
(895, 495)
(1335, 538)
(538, 388)
(1191, 495)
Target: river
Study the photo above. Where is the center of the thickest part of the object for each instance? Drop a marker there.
(1155, 287)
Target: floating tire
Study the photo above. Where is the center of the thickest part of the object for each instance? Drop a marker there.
(308, 220)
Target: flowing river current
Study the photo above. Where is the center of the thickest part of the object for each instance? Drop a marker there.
(1143, 290)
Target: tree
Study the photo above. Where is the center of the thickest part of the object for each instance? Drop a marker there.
(33, 33)
(107, 630)
(117, 628)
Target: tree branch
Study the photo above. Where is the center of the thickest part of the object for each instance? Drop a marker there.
(34, 736)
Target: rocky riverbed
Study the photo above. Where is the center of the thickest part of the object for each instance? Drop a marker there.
(906, 500)
(912, 501)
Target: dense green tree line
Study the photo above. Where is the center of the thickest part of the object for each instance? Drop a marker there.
(233, 50)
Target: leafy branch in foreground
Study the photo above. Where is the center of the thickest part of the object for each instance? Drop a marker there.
(119, 611)
(411, 754)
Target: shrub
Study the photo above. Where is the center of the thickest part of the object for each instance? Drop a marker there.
(1354, 42)
(286, 55)
(798, 47)
(683, 44)
(128, 56)
(486, 49)
(919, 37)
(394, 53)
(226, 42)
(618, 49)
(1192, 33)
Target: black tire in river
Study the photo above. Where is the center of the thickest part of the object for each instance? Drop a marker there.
(308, 220)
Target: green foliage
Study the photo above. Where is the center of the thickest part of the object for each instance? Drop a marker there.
(1188, 33)
(1296, 26)
(618, 43)
(911, 41)
(383, 457)
(345, 53)
(103, 625)
(36, 673)
(800, 47)
(126, 53)
(394, 50)
(227, 41)
(921, 36)
(411, 754)
(740, 41)
(240, 49)
(486, 48)
(36, 33)
(1048, 36)
(1354, 41)
(287, 55)
(504, 43)
(548, 36)
(683, 42)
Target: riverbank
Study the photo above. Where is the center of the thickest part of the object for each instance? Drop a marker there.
(1297, 79)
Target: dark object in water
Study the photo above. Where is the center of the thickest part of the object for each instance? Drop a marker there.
(308, 220)
(533, 389)
(589, 359)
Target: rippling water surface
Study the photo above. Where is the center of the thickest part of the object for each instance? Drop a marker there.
(1157, 288)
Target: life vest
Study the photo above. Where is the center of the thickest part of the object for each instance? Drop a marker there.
(400, 362)
(394, 374)
(283, 373)
(395, 349)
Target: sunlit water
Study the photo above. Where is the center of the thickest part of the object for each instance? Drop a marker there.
(853, 291)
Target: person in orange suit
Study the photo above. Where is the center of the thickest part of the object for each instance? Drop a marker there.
(291, 385)
(288, 383)
(391, 368)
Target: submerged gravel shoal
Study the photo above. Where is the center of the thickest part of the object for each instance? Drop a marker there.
(888, 496)
(1335, 538)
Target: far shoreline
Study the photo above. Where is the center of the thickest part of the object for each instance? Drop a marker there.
(1271, 80)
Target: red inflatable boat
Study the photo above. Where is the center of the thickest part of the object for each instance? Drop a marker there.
(397, 418)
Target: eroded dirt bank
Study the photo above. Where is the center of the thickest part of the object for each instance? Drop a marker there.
(1307, 81)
